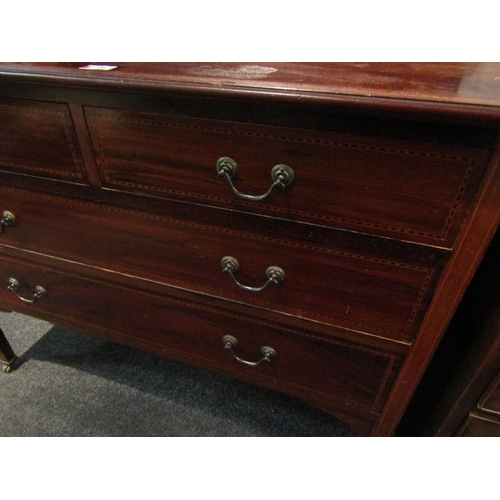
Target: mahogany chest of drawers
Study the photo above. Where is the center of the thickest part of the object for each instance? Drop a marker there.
(310, 228)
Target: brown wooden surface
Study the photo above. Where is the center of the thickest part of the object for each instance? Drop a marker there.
(148, 230)
(39, 139)
(371, 294)
(468, 83)
(471, 349)
(80, 125)
(473, 243)
(339, 372)
(407, 190)
(316, 329)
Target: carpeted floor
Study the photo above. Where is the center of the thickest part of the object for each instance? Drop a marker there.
(70, 384)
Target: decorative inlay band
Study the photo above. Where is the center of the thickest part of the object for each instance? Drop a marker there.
(439, 236)
(391, 358)
(428, 273)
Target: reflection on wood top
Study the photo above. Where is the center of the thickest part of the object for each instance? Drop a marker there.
(463, 83)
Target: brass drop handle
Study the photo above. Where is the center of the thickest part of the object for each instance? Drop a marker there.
(8, 219)
(14, 285)
(281, 175)
(274, 274)
(267, 352)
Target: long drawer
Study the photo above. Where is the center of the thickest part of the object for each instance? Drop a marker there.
(353, 290)
(340, 373)
(402, 189)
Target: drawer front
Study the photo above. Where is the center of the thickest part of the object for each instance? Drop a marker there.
(342, 373)
(410, 191)
(350, 290)
(39, 139)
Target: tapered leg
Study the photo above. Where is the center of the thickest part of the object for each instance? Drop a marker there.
(7, 356)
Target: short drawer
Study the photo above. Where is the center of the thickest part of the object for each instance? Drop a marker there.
(343, 373)
(348, 289)
(411, 191)
(38, 138)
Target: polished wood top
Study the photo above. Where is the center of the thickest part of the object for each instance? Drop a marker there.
(475, 84)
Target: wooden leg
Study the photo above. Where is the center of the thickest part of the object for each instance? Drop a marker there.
(7, 355)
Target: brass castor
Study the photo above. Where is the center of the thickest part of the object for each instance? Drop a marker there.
(9, 366)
